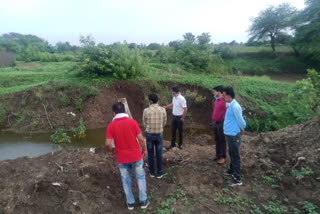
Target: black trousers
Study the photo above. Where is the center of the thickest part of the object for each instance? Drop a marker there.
(177, 123)
(219, 139)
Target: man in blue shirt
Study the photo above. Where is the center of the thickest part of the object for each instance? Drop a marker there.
(233, 125)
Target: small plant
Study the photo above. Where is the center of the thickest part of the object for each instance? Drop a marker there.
(275, 208)
(193, 97)
(310, 208)
(79, 104)
(80, 131)
(302, 173)
(64, 100)
(60, 137)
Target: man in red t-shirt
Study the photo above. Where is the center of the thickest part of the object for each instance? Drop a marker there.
(218, 114)
(125, 132)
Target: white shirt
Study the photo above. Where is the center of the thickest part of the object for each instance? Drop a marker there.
(179, 103)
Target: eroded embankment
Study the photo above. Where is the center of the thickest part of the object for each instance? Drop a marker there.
(48, 108)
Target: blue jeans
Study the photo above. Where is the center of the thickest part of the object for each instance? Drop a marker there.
(125, 171)
(234, 152)
(154, 141)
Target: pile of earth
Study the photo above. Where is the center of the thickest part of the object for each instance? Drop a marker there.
(80, 181)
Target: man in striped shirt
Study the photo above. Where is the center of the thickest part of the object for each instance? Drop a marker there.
(154, 119)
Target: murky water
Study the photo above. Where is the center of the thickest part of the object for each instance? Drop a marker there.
(14, 145)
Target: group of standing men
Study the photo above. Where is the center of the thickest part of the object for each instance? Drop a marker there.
(130, 146)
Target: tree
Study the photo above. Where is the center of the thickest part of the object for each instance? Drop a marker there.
(189, 37)
(307, 32)
(204, 40)
(271, 22)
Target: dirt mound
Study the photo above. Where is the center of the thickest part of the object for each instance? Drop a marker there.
(79, 181)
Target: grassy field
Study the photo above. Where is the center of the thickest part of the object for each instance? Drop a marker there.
(265, 101)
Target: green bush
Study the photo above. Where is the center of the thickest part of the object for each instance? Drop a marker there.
(64, 99)
(80, 131)
(60, 137)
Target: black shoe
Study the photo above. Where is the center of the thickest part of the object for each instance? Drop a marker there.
(152, 175)
(234, 182)
(130, 206)
(159, 176)
(145, 204)
(180, 147)
(226, 172)
(170, 147)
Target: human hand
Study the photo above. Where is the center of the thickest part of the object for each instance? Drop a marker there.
(182, 119)
(243, 131)
(144, 153)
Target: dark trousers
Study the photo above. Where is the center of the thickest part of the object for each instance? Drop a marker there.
(219, 139)
(234, 152)
(177, 123)
(154, 142)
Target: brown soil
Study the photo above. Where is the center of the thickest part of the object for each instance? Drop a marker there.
(40, 108)
(90, 182)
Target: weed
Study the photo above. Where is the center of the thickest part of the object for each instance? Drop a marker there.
(310, 208)
(302, 173)
(64, 100)
(80, 131)
(60, 137)
(79, 104)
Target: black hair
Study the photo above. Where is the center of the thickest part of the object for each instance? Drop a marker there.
(175, 89)
(229, 91)
(153, 98)
(218, 88)
(118, 108)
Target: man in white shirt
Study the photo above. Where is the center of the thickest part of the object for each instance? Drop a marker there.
(179, 112)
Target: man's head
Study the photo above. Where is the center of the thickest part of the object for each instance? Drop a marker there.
(218, 90)
(175, 91)
(228, 94)
(153, 98)
(118, 108)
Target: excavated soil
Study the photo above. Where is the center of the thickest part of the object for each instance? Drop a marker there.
(79, 181)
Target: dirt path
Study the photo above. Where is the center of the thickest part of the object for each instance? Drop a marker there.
(79, 181)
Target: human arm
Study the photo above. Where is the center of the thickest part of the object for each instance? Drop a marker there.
(142, 144)
(109, 146)
(185, 110)
(239, 118)
(164, 118)
(144, 118)
(168, 106)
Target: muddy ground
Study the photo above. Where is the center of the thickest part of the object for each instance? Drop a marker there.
(281, 174)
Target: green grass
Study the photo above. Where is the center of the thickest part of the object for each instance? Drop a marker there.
(16, 79)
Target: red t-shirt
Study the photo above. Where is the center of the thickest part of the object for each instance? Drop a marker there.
(219, 110)
(124, 131)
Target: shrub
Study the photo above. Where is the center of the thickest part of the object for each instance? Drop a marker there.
(80, 131)
(60, 137)
(64, 100)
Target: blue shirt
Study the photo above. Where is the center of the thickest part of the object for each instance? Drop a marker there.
(233, 121)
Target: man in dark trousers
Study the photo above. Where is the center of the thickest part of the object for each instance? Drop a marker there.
(217, 122)
(130, 147)
(179, 112)
(232, 126)
(154, 119)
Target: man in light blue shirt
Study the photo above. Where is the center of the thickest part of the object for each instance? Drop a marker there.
(233, 125)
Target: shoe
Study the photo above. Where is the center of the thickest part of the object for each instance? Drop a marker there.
(152, 175)
(221, 161)
(180, 147)
(130, 206)
(145, 204)
(226, 172)
(214, 158)
(170, 147)
(159, 176)
(234, 182)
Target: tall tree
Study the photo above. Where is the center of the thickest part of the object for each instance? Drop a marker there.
(270, 22)
(307, 31)
(204, 40)
(189, 37)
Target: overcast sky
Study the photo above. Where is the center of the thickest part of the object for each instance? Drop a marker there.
(139, 21)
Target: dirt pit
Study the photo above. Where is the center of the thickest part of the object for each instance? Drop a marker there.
(280, 175)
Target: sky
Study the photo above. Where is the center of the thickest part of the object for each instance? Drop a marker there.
(139, 21)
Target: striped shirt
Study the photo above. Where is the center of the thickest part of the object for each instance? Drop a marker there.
(154, 119)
